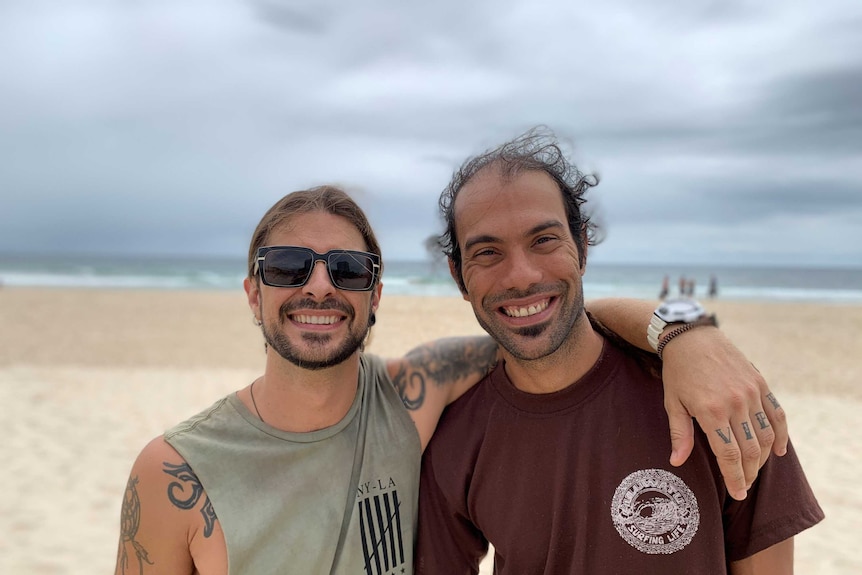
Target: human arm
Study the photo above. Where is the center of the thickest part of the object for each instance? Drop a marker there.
(721, 389)
(433, 375)
(775, 560)
(166, 519)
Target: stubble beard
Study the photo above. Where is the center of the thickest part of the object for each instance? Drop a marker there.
(317, 358)
(557, 330)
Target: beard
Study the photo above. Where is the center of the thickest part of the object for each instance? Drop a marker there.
(526, 343)
(315, 354)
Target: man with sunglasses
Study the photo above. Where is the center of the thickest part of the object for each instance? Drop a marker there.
(314, 466)
(558, 457)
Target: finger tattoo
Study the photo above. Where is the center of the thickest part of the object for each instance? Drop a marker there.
(761, 419)
(724, 438)
(747, 429)
(771, 397)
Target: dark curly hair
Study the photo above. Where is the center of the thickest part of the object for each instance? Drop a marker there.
(537, 149)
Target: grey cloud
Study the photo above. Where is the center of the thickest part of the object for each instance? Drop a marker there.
(311, 19)
(180, 140)
(816, 113)
(722, 199)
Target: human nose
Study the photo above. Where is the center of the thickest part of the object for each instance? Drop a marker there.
(520, 271)
(319, 284)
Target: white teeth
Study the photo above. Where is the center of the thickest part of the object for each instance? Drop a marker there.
(316, 319)
(528, 310)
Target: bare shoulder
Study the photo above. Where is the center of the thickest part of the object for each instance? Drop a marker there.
(166, 516)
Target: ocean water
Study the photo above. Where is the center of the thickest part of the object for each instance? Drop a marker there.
(838, 285)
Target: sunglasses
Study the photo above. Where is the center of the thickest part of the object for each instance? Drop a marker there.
(291, 266)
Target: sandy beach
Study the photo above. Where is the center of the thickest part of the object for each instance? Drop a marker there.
(87, 377)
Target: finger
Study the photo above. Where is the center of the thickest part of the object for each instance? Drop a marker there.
(748, 439)
(765, 434)
(749, 426)
(777, 418)
(724, 445)
(681, 434)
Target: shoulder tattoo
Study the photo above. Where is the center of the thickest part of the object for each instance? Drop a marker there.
(443, 362)
(188, 500)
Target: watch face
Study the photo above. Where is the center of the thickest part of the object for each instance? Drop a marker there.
(680, 310)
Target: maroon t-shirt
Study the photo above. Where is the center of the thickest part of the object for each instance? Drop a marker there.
(578, 481)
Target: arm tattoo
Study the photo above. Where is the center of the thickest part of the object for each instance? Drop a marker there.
(411, 388)
(185, 474)
(130, 522)
(443, 362)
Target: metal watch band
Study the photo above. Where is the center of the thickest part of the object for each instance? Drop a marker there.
(705, 320)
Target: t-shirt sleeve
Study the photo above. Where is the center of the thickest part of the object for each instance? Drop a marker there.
(780, 504)
(448, 543)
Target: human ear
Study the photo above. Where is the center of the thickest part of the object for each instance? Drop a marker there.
(252, 292)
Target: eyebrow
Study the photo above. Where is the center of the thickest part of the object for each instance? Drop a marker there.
(488, 239)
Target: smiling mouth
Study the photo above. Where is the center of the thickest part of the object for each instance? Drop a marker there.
(316, 319)
(527, 310)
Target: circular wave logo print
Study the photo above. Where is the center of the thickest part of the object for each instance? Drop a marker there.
(655, 511)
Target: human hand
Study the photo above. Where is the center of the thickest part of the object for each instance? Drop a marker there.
(708, 378)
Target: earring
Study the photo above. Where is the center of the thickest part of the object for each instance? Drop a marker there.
(372, 319)
(256, 321)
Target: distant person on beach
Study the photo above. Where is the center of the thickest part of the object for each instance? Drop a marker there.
(313, 467)
(689, 287)
(665, 288)
(553, 458)
(683, 286)
(713, 286)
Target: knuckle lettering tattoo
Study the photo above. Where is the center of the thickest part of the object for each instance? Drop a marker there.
(771, 397)
(724, 437)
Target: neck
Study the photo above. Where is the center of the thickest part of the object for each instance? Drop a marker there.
(571, 361)
(291, 398)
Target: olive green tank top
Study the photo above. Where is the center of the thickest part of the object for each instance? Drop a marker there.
(340, 500)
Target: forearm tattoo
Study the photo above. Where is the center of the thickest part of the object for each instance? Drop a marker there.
(443, 362)
(130, 522)
(177, 489)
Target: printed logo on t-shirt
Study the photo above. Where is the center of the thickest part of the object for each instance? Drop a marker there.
(655, 511)
(380, 526)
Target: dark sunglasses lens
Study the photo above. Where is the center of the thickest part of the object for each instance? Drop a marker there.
(351, 271)
(287, 268)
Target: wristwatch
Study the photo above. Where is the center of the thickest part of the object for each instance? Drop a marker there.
(675, 311)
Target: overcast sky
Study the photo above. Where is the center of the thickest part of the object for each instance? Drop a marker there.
(723, 131)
